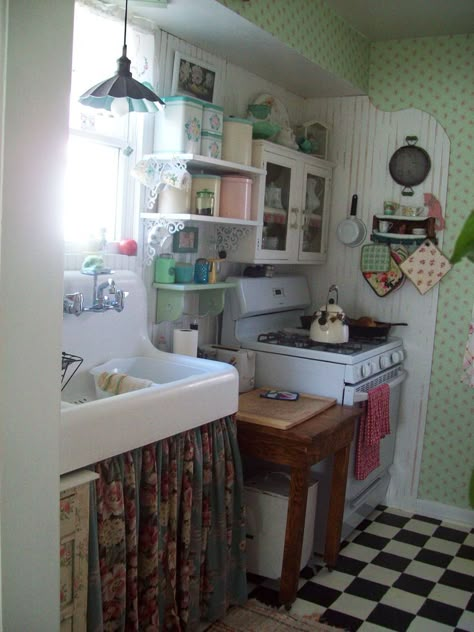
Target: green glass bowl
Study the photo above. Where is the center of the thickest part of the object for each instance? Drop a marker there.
(264, 129)
(259, 110)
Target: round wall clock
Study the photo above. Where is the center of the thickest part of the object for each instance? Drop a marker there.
(409, 165)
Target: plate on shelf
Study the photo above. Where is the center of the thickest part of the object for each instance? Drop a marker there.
(278, 114)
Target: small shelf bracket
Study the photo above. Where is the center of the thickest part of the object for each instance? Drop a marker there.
(156, 231)
(170, 301)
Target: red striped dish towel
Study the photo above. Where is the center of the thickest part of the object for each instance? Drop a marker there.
(373, 426)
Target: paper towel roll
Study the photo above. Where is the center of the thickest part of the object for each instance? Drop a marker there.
(185, 341)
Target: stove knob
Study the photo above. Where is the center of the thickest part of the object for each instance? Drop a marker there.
(396, 357)
(366, 369)
(384, 362)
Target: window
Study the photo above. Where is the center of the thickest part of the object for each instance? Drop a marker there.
(102, 149)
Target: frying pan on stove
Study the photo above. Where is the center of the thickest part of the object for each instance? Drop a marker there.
(379, 330)
(352, 231)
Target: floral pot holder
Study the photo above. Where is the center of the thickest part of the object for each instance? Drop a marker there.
(383, 283)
(426, 266)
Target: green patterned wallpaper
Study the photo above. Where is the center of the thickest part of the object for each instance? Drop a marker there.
(313, 29)
(436, 75)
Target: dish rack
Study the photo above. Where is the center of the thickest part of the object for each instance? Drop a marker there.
(72, 362)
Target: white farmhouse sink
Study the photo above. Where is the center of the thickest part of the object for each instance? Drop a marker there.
(188, 392)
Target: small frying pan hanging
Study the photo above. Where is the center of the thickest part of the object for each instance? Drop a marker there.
(409, 165)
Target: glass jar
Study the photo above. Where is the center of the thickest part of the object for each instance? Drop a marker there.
(205, 202)
(201, 271)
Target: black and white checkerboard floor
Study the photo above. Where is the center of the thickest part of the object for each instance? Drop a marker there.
(397, 571)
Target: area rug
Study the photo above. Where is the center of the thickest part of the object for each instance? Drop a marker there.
(254, 616)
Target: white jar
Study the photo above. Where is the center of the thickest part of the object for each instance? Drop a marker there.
(178, 126)
(203, 181)
(212, 118)
(173, 200)
(237, 140)
(211, 145)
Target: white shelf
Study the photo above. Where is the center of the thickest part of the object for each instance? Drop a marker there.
(398, 236)
(404, 218)
(205, 162)
(189, 217)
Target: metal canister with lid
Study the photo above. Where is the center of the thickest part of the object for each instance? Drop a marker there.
(204, 202)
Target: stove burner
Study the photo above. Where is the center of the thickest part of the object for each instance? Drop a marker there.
(302, 341)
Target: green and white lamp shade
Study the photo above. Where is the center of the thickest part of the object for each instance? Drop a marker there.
(122, 93)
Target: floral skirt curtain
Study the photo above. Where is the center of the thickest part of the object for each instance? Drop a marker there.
(167, 536)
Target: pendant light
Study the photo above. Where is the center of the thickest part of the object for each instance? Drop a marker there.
(121, 93)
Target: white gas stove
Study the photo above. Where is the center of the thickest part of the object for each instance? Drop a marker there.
(263, 314)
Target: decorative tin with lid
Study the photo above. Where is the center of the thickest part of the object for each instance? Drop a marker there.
(178, 126)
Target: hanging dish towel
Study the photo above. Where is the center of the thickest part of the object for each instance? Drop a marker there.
(118, 383)
(383, 283)
(373, 426)
(468, 360)
(426, 266)
(375, 258)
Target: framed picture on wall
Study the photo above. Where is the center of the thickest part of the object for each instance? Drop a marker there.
(186, 240)
(193, 78)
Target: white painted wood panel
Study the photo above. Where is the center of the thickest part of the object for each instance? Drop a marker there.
(236, 87)
(362, 141)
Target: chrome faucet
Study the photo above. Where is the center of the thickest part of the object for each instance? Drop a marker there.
(105, 296)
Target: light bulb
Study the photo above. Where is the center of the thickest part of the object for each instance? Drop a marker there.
(119, 106)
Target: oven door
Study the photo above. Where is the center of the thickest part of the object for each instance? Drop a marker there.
(358, 394)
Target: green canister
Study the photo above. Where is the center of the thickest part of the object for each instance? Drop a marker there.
(164, 269)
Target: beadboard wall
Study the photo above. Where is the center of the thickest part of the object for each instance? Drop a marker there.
(362, 140)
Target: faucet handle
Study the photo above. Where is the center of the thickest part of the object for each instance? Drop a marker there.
(119, 300)
(73, 303)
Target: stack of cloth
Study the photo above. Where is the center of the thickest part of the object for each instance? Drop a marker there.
(118, 383)
(374, 426)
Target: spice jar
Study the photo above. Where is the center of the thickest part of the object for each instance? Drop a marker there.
(205, 202)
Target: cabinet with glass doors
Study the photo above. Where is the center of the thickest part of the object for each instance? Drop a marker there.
(293, 207)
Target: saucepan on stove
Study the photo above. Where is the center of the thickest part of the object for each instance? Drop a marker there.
(366, 327)
(329, 324)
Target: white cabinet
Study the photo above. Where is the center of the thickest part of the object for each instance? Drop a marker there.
(293, 206)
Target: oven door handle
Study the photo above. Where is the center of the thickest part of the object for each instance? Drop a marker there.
(361, 396)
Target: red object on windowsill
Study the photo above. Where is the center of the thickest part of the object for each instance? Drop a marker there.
(128, 247)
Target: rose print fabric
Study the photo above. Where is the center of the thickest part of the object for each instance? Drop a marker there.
(426, 266)
(168, 533)
(383, 283)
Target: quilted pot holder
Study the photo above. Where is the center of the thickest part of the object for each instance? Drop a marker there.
(375, 258)
(384, 283)
(426, 266)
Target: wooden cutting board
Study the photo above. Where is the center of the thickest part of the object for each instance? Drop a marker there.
(281, 414)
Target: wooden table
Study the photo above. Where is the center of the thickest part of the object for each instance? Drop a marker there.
(300, 447)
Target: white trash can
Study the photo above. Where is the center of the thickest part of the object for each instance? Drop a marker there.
(266, 502)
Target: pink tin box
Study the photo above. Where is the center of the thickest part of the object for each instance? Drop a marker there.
(236, 195)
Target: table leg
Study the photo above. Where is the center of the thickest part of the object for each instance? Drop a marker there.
(294, 535)
(336, 505)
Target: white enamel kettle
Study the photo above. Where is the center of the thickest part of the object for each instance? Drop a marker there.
(329, 322)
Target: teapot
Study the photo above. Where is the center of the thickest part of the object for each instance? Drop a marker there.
(329, 324)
